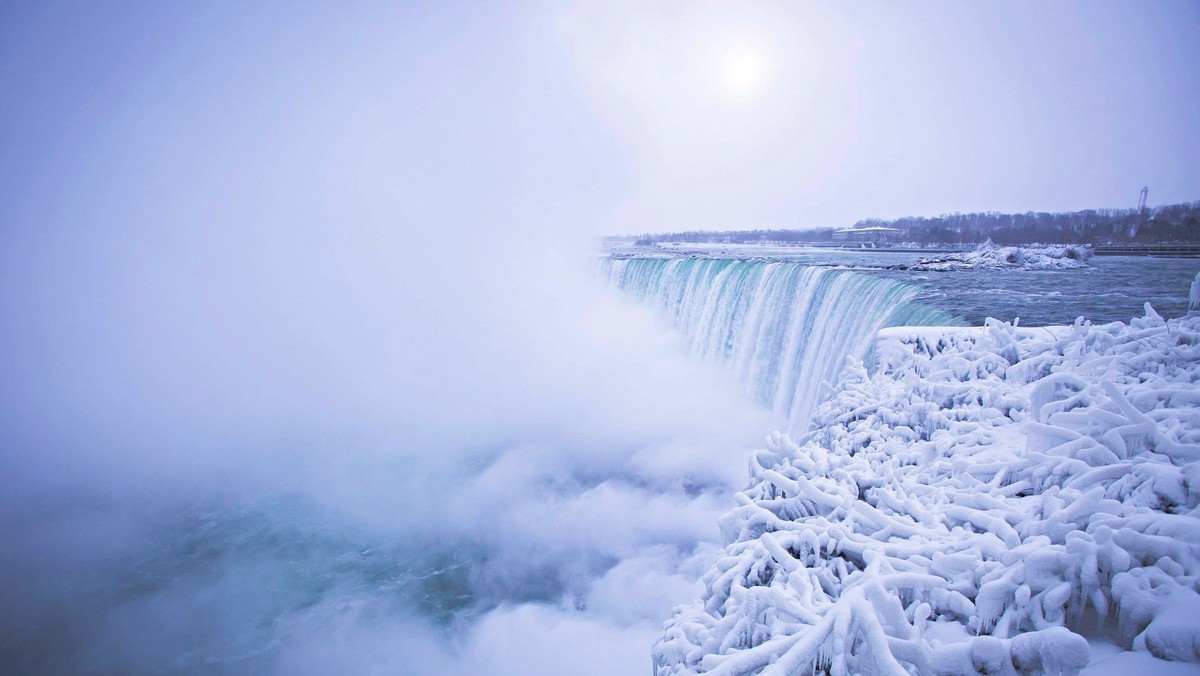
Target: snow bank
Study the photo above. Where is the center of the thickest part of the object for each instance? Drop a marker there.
(988, 255)
(977, 504)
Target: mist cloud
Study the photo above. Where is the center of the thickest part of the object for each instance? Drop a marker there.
(304, 372)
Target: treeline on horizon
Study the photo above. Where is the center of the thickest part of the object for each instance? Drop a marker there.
(1171, 224)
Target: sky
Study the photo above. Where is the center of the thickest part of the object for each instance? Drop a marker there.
(342, 255)
(610, 117)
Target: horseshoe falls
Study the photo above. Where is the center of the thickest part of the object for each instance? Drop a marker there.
(784, 328)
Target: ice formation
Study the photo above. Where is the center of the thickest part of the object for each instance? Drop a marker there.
(989, 255)
(978, 502)
(1194, 296)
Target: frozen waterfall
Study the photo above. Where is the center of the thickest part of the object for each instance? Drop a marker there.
(785, 328)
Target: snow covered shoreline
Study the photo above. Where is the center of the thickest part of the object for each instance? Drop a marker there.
(983, 500)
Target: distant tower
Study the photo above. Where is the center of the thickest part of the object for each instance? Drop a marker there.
(1142, 201)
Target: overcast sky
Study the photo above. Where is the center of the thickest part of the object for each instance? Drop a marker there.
(596, 117)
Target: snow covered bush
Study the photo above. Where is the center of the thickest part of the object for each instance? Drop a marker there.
(976, 504)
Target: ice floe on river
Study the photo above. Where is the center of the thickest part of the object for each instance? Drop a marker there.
(982, 500)
(989, 255)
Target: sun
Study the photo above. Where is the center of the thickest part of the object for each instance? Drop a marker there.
(742, 70)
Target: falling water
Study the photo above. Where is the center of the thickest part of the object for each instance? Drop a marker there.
(785, 328)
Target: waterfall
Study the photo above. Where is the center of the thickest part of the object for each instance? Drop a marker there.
(784, 328)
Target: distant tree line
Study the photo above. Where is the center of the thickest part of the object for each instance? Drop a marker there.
(1171, 224)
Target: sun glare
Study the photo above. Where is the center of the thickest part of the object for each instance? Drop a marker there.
(742, 70)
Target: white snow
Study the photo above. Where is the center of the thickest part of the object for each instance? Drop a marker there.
(978, 502)
(989, 255)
